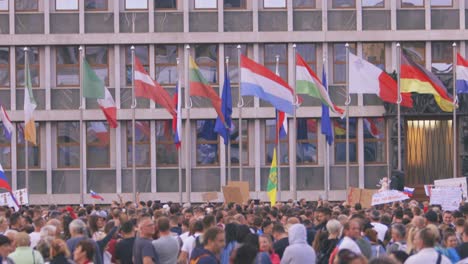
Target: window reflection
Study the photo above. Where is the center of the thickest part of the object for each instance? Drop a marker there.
(68, 144)
(207, 142)
(339, 129)
(306, 141)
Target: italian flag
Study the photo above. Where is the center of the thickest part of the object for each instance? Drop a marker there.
(308, 83)
(29, 107)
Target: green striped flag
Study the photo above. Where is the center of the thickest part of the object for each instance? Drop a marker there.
(93, 86)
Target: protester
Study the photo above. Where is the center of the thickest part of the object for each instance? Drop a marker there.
(266, 245)
(281, 239)
(84, 252)
(298, 250)
(59, 253)
(143, 250)
(167, 246)
(78, 233)
(124, 248)
(424, 242)
(213, 243)
(5, 250)
(230, 241)
(23, 253)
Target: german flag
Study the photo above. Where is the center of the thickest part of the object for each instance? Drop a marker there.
(416, 79)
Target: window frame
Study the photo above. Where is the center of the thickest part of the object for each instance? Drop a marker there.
(27, 10)
(128, 131)
(97, 9)
(281, 141)
(376, 140)
(156, 64)
(372, 7)
(99, 66)
(61, 10)
(204, 65)
(405, 6)
(64, 66)
(354, 140)
(334, 6)
(423, 62)
(22, 146)
(268, 63)
(242, 7)
(198, 142)
(366, 57)
(165, 143)
(7, 7)
(314, 6)
(275, 7)
(205, 8)
(443, 6)
(352, 46)
(312, 64)
(245, 143)
(136, 9)
(68, 144)
(163, 9)
(128, 61)
(6, 67)
(309, 141)
(107, 166)
(31, 66)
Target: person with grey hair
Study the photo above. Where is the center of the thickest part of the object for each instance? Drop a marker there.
(78, 232)
(24, 253)
(47, 235)
(329, 243)
(398, 241)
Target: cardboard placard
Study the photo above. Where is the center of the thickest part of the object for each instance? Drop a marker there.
(362, 196)
(366, 197)
(209, 196)
(244, 189)
(232, 194)
(389, 196)
(354, 196)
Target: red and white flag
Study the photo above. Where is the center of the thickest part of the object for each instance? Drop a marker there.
(107, 106)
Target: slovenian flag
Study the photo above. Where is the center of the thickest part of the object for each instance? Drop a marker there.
(177, 119)
(408, 191)
(462, 75)
(3, 180)
(95, 195)
(7, 125)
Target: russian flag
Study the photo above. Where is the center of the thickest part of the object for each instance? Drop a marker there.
(7, 125)
(95, 195)
(408, 191)
(3, 180)
(462, 75)
(177, 119)
(257, 80)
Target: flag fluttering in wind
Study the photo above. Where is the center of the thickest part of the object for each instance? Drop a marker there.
(29, 107)
(273, 180)
(366, 78)
(7, 125)
(224, 129)
(95, 195)
(326, 127)
(462, 75)
(177, 120)
(3, 180)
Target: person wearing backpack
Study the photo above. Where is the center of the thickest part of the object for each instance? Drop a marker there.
(213, 243)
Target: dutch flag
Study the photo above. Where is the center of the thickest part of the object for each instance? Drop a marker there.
(462, 75)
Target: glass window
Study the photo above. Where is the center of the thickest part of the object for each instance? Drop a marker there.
(165, 4)
(273, 50)
(26, 5)
(68, 65)
(166, 64)
(98, 144)
(231, 52)
(5, 149)
(412, 3)
(97, 57)
(66, 4)
(304, 4)
(446, 3)
(207, 143)
(166, 150)
(206, 57)
(95, 5)
(206, 4)
(34, 152)
(339, 129)
(373, 3)
(234, 4)
(274, 3)
(235, 142)
(339, 61)
(5, 67)
(4, 5)
(142, 53)
(270, 143)
(374, 53)
(374, 139)
(142, 144)
(307, 141)
(343, 3)
(33, 60)
(416, 50)
(442, 60)
(136, 4)
(308, 52)
(68, 144)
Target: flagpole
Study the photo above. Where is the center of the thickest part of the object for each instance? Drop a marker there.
(348, 101)
(81, 127)
(240, 104)
(294, 130)
(179, 149)
(398, 106)
(455, 102)
(278, 157)
(229, 132)
(26, 75)
(188, 161)
(133, 106)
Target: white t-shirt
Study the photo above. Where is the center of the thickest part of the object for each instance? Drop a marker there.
(381, 230)
(35, 237)
(350, 244)
(189, 244)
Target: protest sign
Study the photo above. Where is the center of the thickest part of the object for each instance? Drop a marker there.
(209, 196)
(232, 194)
(366, 197)
(389, 196)
(354, 196)
(448, 197)
(244, 189)
(455, 182)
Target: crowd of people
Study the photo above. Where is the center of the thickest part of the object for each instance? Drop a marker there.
(291, 232)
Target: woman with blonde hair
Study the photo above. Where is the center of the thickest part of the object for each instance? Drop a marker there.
(410, 248)
(59, 253)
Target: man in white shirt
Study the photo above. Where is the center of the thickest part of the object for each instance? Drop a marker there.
(190, 243)
(36, 236)
(381, 229)
(352, 231)
(424, 242)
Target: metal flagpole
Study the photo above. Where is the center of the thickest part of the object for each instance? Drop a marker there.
(134, 104)
(294, 130)
(278, 157)
(26, 75)
(179, 150)
(348, 101)
(188, 161)
(240, 104)
(455, 102)
(229, 133)
(398, 106)
(81, 127)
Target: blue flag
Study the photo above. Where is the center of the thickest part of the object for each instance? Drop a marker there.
(224, 130)
(326, 122)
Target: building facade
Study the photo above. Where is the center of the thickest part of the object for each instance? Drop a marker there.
(160, 30)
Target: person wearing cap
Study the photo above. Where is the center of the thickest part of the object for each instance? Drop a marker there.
(431, 218)
(24, 253)
(5, 250)
(380, 228)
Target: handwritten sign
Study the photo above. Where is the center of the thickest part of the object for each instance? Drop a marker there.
(388, 197)
(448, 197)
(244, 189)
(454, 182)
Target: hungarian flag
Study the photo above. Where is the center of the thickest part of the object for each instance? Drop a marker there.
(417, 79)
(273, 180)
(148, 88)
(366, 78)
(199, 86)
